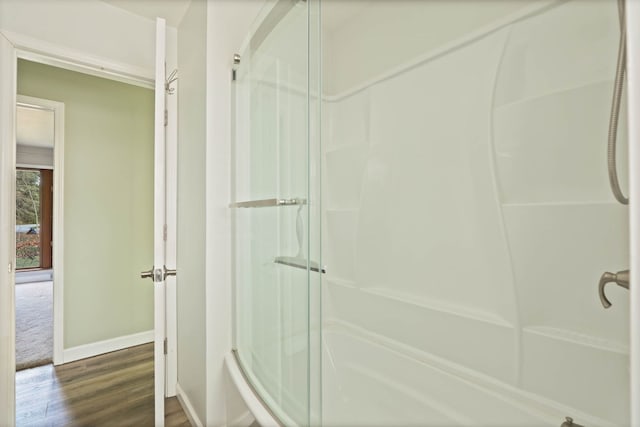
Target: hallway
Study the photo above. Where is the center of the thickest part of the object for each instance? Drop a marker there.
(34, 324)
(112, 389)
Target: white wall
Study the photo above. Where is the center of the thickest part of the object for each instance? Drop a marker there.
(191, 234)
(228, 23)
(364, 39)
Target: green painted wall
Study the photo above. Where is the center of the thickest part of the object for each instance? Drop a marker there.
(108, 201)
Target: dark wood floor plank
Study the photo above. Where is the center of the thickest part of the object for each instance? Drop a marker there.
(114, 389)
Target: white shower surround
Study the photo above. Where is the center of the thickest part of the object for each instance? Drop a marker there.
(467, 219)
(467, 295)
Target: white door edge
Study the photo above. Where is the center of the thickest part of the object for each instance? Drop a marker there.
(171, 192)
(159, 221)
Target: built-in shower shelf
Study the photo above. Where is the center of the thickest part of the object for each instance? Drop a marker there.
(267, 203)
(422, 303)
(582, 339)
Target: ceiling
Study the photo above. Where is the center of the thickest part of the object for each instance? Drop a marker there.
(171, 10)
(34, 127)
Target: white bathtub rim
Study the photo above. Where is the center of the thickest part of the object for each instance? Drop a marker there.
(537, 406)
(262, 414)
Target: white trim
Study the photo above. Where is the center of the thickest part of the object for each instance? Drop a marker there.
(187, 407)
(7, 230)
(107, 346)
(37, 50)
(633, 94)
(58, 218)
(255, 405)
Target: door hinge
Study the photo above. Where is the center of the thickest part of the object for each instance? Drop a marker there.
(165, 346)
(166, 117)
(10, 268)
(164, 232)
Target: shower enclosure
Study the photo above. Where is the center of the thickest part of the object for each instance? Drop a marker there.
(422, 213)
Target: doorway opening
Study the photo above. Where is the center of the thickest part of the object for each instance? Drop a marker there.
(108, 214)
(35, 140)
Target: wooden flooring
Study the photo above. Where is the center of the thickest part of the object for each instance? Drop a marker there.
(114, 389)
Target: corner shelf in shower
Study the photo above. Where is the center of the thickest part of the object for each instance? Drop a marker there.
(267, 203)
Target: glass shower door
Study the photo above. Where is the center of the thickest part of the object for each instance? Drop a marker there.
(270, 210)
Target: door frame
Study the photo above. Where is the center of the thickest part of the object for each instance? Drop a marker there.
(7, 222)
(58, 217)
(59, 56)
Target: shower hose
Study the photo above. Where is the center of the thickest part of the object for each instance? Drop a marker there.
(615, 109)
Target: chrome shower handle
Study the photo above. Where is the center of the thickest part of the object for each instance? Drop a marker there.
(568, 422)
(621, 278)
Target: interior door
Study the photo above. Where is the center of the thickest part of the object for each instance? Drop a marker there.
(7, 229)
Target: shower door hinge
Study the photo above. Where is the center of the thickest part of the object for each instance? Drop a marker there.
(165, 346)
(236, 63)
(166, 117)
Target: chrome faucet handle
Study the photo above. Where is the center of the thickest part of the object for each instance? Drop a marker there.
(569, 423)
(621, 278)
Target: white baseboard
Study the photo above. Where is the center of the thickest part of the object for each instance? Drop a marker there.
(188, 407)
(106, 346)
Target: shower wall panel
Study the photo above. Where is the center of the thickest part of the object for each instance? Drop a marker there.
(565, 229)
(467, 219)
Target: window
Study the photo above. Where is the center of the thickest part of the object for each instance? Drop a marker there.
(34, 206)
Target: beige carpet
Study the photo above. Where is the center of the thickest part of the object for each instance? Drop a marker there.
(34, 324)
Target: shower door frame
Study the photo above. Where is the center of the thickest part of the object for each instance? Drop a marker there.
(267, 20)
